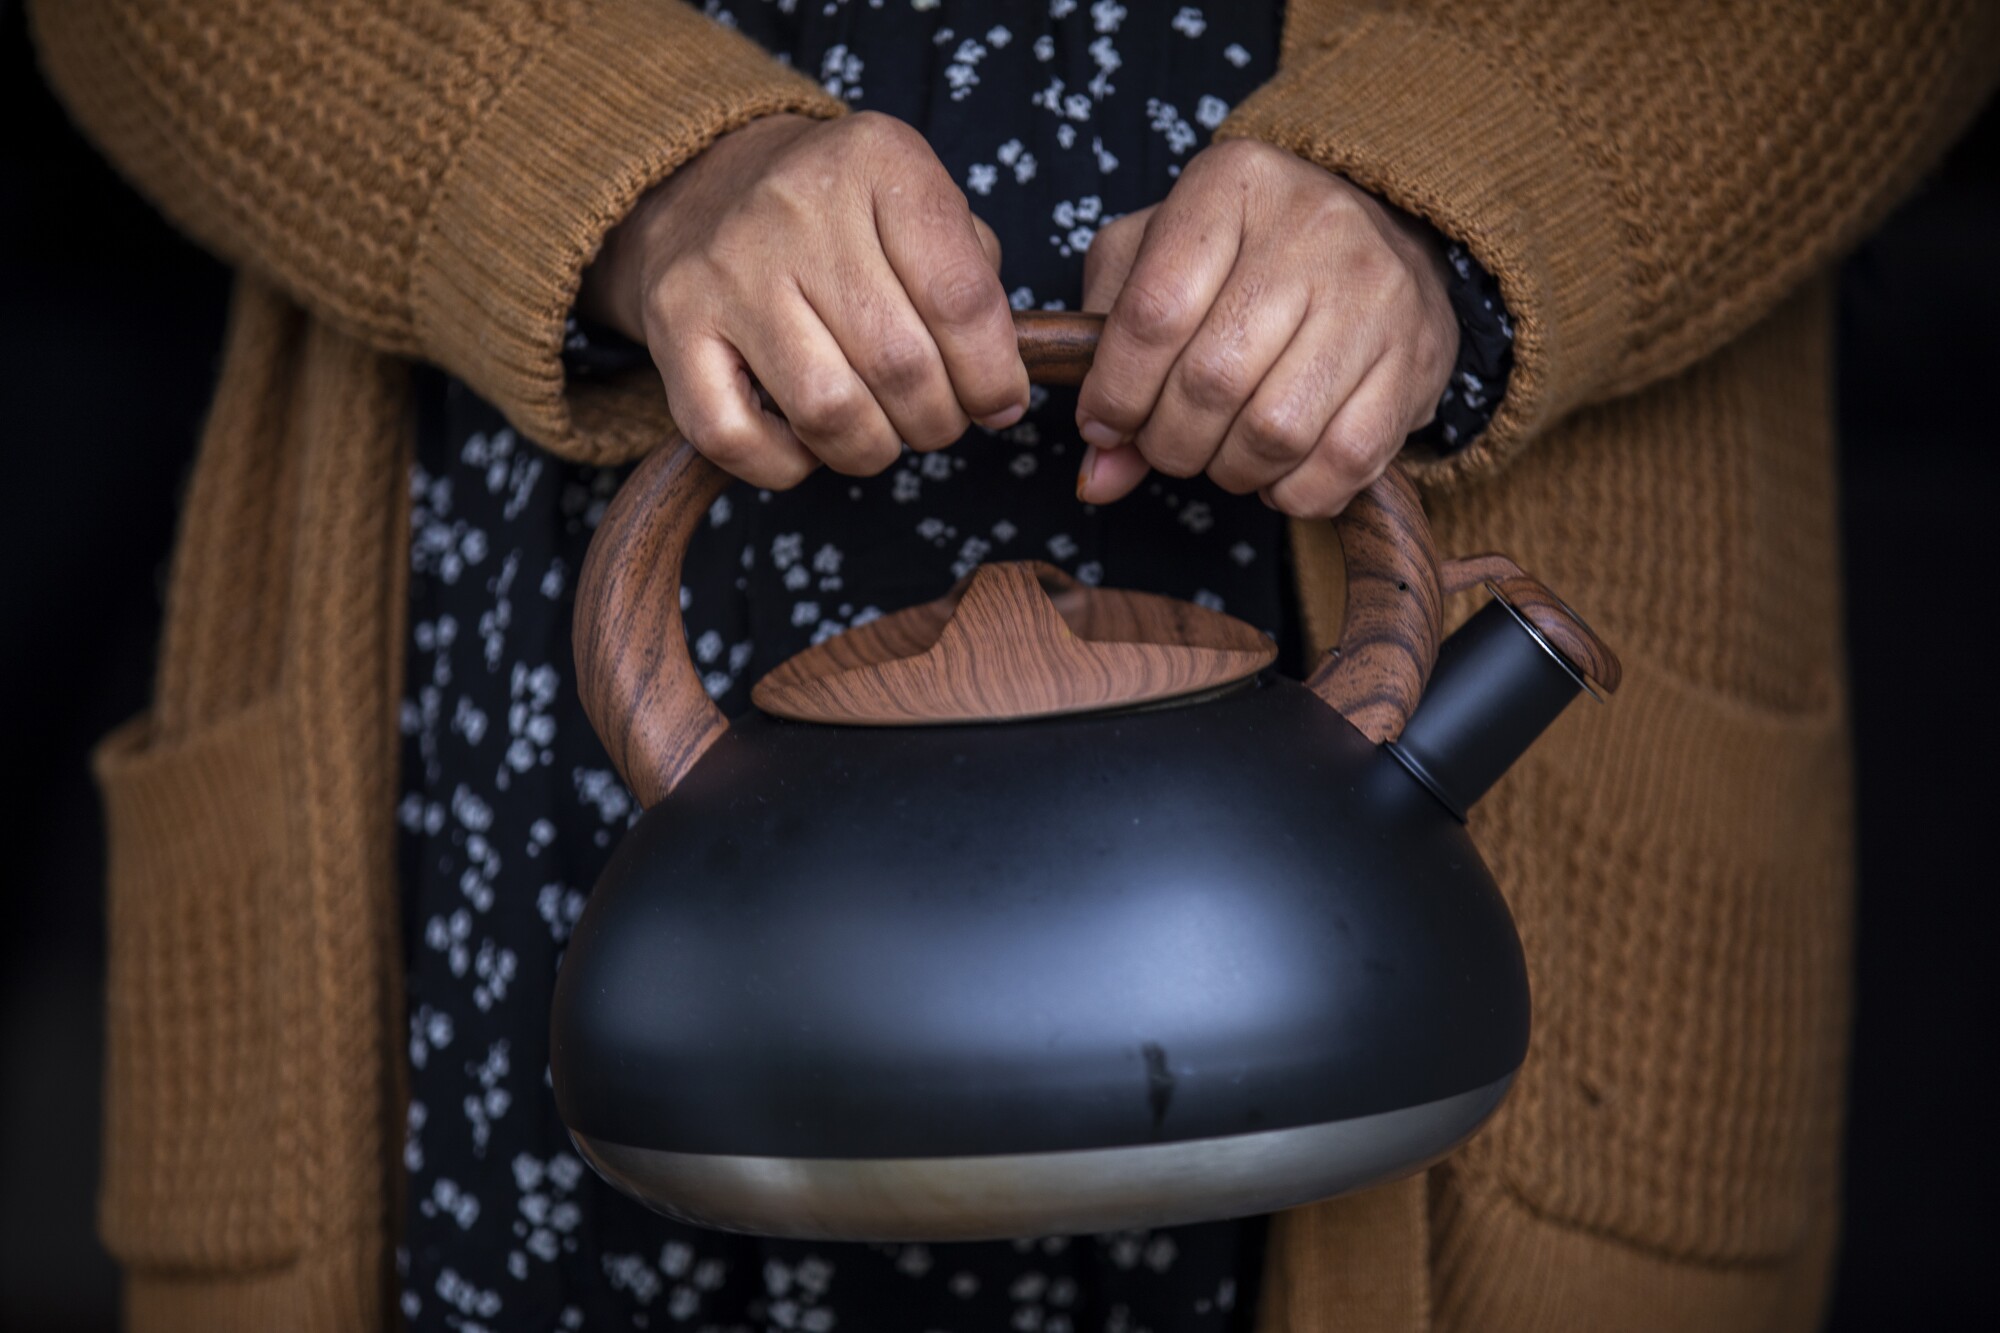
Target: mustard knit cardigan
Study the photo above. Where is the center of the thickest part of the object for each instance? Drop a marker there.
(1658, 188)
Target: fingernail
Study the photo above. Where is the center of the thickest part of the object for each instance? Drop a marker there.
(1087, 471)
(1095, 432)
(1005, 417)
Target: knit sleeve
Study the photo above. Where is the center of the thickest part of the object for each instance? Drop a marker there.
(1644, 181)
(431, 176)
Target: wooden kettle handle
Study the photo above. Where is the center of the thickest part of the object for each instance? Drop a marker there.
(640, 687)
(1561, 628)
(645, 698)
(1377, 669)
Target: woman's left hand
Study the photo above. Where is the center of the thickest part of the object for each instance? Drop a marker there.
(1269, 324)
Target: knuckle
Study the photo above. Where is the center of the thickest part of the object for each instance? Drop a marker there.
(1351, 446)
(936, 429)
(965, 293)
(1155, 310)
(988, 394)
(868, 457)
(659, 306)
(782, 470)
(872, 127)
(1363, 262)
(1114, 410)
(1237, 156)
(1215, 380)
(1290, 495)
(1273, 433)
(1361, 448)
(733, 449)
(827, 405)
(1113, 397)
(1341, 209)
(899, 362)
(1309, 493)
(789, 186)
(1398, 282)
(1233, 478)
(887, 142)
(1171, 458)
(673, 299)
(735, 250)
(791, 472)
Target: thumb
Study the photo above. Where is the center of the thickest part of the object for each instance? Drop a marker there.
(1110, 474)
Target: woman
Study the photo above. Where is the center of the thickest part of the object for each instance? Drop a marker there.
(829, 255)
(428, 182)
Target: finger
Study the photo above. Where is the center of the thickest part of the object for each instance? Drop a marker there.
(989, 241)
(1108, 262)
(710, 397)
(1183, 259)
(1110, 474)
(1254, 318)
(801, 365)
(1290, 411)
(1356, 448)
(886, 342)
(935, 249)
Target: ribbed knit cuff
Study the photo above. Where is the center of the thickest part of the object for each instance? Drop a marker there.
(1444, 128)
(597, 114)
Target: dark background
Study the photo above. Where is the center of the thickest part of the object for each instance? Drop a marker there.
(109, 325)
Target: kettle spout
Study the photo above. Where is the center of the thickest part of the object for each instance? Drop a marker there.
(1500, 681)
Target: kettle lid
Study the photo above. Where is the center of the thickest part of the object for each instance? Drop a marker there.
(1014, 640)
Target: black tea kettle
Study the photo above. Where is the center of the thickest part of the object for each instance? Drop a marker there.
(1043, 908)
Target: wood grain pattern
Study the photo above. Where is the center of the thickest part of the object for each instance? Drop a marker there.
(645, 698)
(640, 688)
(1013, 640)
(1057, 345)
(1471, 571)
(1395, 610)
(1566, 631)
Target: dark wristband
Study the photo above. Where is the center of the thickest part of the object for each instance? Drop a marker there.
(592, 351)
(1485, 356)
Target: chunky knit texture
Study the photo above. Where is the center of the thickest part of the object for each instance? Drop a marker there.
(425, 179)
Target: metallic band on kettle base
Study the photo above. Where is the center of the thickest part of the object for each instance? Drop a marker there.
(1008, 1195)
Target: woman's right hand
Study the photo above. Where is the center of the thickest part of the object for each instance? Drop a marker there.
(838, 264)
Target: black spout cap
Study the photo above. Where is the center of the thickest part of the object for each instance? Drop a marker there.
(1497, 686)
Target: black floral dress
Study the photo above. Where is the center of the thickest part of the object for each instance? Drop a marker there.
(1054, 118)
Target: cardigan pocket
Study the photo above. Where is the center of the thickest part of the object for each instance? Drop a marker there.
(201, 1133)
(1679, 865)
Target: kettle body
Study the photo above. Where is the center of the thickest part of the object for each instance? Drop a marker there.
(1044, 908)
(1053, 970)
